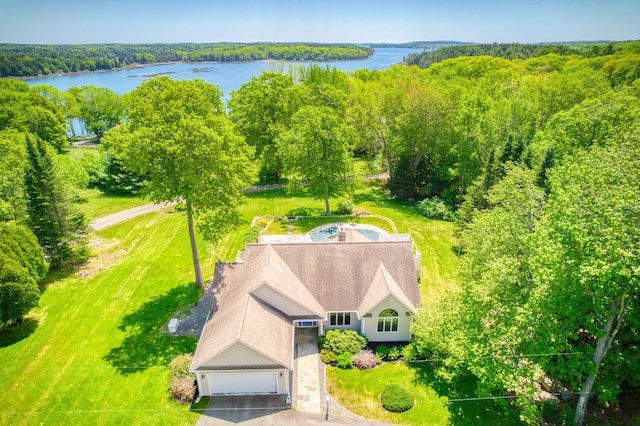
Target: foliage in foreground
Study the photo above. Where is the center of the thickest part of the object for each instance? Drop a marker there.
(550, 270)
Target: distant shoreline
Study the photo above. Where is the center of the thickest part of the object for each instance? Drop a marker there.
(138, 66)
(67, 74)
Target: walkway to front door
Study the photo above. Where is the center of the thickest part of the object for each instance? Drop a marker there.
(307, 373)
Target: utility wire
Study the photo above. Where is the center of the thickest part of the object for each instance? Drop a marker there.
(440, 401)
(141, 367)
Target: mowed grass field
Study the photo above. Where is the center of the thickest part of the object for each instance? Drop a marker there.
(95, 351)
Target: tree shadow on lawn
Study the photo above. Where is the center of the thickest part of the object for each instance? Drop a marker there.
(146, 343)
(463, 387)
(13, 333)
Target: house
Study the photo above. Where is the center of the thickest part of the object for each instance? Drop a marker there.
(247, 344)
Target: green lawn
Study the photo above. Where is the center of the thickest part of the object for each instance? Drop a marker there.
(95, 351)
(436, 403)
(435, 239)
(95, 203)
(76, 152)
(428, 410)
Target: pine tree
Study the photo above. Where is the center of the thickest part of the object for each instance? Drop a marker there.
(56, 222)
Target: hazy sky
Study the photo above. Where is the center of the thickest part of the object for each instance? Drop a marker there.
(355, 21)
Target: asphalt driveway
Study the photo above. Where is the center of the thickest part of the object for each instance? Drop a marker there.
(267, 410)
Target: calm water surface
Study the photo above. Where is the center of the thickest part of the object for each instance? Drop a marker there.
(227, 76)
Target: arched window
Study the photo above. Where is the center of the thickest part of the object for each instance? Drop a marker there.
(388, 321)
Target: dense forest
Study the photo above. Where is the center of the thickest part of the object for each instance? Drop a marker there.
(429, 45)
(515, 51)
(536, 160)
(23, 60)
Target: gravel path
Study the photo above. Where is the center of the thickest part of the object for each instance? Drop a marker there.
(194, 322)
(114, 219)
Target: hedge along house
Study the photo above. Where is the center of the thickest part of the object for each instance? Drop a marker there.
(247, 344)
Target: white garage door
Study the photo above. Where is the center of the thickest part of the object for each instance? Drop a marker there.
(251, 382)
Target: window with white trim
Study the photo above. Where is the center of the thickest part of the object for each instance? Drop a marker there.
(340, 318)
(388, 321)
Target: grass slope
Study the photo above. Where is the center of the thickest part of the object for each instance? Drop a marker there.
(98, 354)
(95, 203)
(94, 352)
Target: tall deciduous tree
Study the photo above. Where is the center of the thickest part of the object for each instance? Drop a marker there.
(99, 108)
(488, 322)
(261, 109)
(177, 133)
(588, 268)
(26, 111)
(317, 150)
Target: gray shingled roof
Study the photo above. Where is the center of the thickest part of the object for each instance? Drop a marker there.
(340, 276)
(276, 274)
(242, 317)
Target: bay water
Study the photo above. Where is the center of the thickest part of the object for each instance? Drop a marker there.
(228, 76)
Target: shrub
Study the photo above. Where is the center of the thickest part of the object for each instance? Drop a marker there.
(345, 208)
(328, 357)
(182, 384)
(435, 208)
(382, 351)
(364, 360)
(411, 352)
(396, 398)
(321, 340)
(182, 389)
(344, 360)
(263, 222)
(395, 352)
(251, 235)
(341, 341)
(180, 365)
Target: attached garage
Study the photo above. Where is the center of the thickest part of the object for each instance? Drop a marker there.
(243, 382)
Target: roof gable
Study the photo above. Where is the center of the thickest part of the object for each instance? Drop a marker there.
(238, 354)
(380, 288)
(243, 318)
(339, 275)
(277, 276)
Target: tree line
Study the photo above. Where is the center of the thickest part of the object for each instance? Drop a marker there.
(516, 51)
(24, 60)
(535, 159)
(40, 223)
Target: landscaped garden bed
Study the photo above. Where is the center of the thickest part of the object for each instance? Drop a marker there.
(302, 225)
